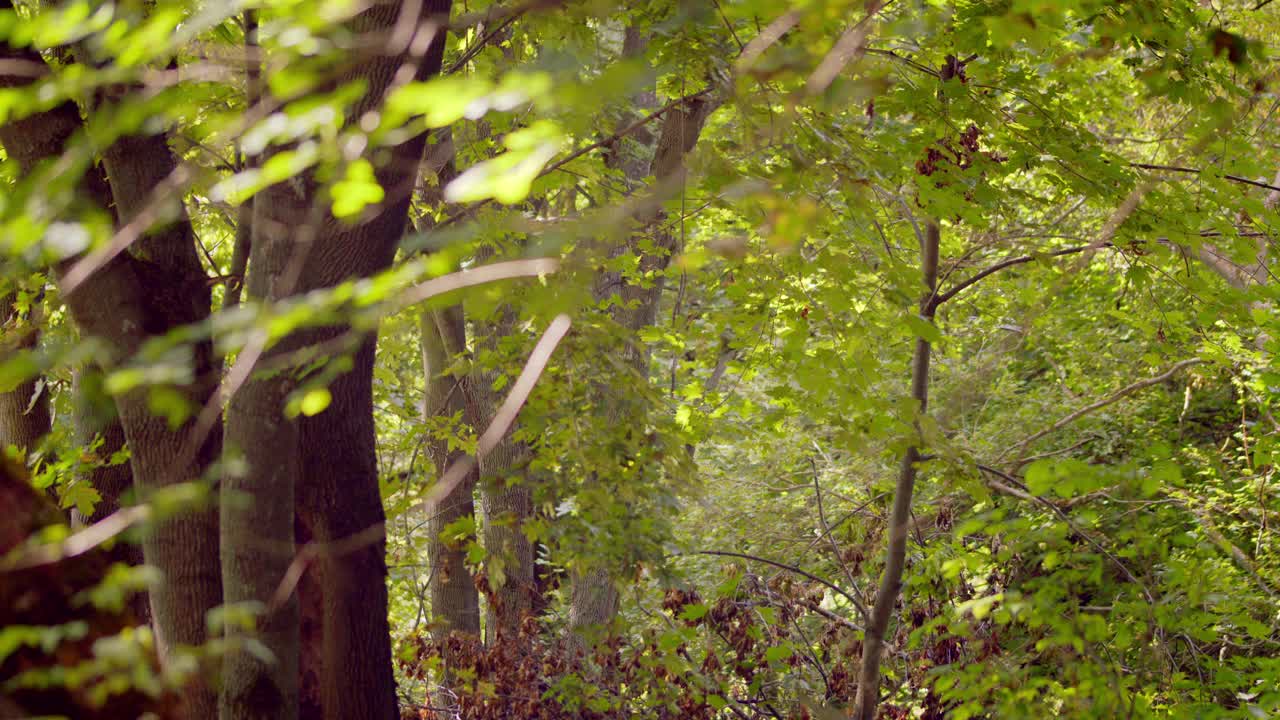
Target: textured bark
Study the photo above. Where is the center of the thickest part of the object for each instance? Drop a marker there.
(595, 597)
(326, 462)
(868, 697)
(455, 604)
(155, 288)
(257, 544)
(95, 417)
(506, 496)
(455, 601)
(507, 499)
(185, 547)
(24, 410)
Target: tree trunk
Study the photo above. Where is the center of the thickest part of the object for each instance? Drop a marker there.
(507, 498)
(24, 410)
(95, 417)
(868, 697)
(455, 603)
(326, 462)
(508, 504)
(123, 303)
(595, 597)
(185, 547)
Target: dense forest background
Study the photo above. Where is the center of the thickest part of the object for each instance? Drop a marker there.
(662, 359)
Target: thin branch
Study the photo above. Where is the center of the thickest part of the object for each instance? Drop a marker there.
(244, 217)
(1197, 171)
(960, 287)
(471, 209)
(1020, 491)
(771, 34)
(1110, 399)
(1053, 453)
(81, 542)
(851, 46)
(480, 44)
(835, 547)
(1241, 559)
(789, 568)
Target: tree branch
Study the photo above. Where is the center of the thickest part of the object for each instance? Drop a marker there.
(789, 568)
(1110, 399)
(868, 697)
(1197, 171)
(938, 299)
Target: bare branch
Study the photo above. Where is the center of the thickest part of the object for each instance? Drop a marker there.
(962, 285)
(1110, 399)
(789, 568)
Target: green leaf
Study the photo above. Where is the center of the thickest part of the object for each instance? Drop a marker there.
(442, 101)
(509, 177)
(356, 191)
(923, 329)
(778, 653)
(315, 401)
(694, 611)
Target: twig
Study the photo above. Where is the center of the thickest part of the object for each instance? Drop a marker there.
(835, 547)
(1110, 399)
(783, 566)
(81, 542)
(1019, 491)
(1197, 171)
(964, 284)
(1052, 453)
(471, 209)
(851, 46)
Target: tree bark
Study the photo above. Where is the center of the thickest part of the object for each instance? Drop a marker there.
(506, 495)
(95, 417)
(327, 462)
(185, 547)
(24, 410)
(126, 301)
(868, 697)
(508, 503)
(455, 603)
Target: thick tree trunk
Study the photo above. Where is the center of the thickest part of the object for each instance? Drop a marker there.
(123, 303)
(326, 462)
(455, 603)
(185, 547)
(257, 542)
(868, 697)
(339, 499)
